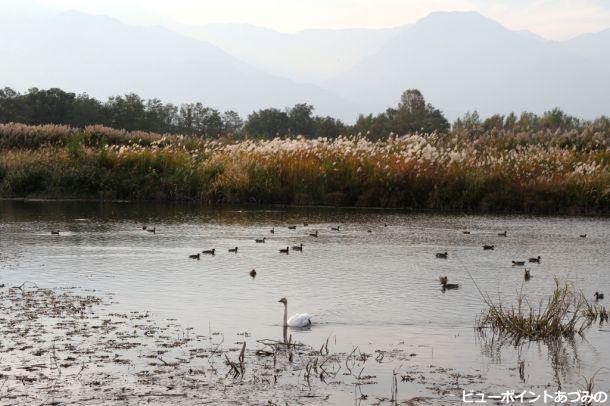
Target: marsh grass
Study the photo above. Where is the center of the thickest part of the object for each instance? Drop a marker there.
(536, 172)
(564, 314)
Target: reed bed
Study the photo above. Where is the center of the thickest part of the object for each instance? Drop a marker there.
(564, 314)
(538, 172)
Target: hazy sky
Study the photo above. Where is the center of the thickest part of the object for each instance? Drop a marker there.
(553, 19)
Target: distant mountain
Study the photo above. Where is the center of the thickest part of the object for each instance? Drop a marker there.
(595, 47)
(463, 61)
(105, 57)
(309, 55)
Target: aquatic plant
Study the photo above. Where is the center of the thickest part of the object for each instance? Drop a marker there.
(565, 313)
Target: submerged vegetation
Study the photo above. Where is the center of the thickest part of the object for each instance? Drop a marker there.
(530, 171)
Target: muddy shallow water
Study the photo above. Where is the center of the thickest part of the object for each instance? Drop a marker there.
(374, 290)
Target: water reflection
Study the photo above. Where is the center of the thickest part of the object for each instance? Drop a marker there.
(368, 289)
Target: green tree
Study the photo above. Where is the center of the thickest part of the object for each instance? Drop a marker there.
(328, 127)
(52, 106)
(232, 123)
(301, 121)
(127, 112)
(267, 123)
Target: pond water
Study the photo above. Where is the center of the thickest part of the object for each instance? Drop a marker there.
(374, 290)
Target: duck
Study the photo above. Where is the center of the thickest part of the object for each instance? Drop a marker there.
(55, 232)
(504, 234)
(369, 231)
(298, 320)
(261, 240)
(598, 296)
(292, 227)
(338, 228)
(465, 232)
(253, 273)
(314, 234)
(535, 259)
(488, 247)
(272, 231)
(447, 286)
(583, 236)
(284, 250)
(297, 247)
(527, 275)
(144, 227)
(518, 263)
(194, 256)
(209, 252)
(233, 250)
(152, 230)
(443, 255)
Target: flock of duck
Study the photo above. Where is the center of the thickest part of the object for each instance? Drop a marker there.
(234, 250)
(527, 275)
(304, 319)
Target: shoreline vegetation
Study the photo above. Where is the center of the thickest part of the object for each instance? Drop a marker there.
(540, 172)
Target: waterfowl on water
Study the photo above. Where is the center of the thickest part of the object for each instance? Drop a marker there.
(583, 236)
(489, 247)
(253, 273)
(297, 247)
(442, 255)
(369, 231)
(527, 275)
(55, 232)
(296, 320)
(284, 250)
(465, 232)
(261, 240)
(292, 227)
(233, 250)
(518, 263)
(535, 259)
(144, 227)
(209, 252)
(305, 224)
(272, 231)
(152, 230)
(194, 256)
(447, 286)
(598, 296)
(314, 234)
(338, 228)
(504, 234)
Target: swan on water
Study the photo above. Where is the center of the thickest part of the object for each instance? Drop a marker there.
(296, 320)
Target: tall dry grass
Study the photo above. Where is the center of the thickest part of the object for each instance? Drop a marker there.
(563, 315)
(498, 171)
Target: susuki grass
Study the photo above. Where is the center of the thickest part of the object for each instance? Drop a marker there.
(564, 314)
(500, 171)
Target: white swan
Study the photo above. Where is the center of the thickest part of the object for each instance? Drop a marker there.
(297, 320)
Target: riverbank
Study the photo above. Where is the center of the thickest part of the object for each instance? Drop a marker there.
(500, 172)
(68, 346)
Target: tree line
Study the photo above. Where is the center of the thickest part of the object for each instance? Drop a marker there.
(132, 112)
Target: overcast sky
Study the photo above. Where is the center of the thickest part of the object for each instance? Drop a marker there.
(553, 19)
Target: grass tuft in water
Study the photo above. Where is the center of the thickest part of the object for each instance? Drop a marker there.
(565, 313)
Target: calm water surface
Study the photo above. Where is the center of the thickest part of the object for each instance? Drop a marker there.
(373, 290)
